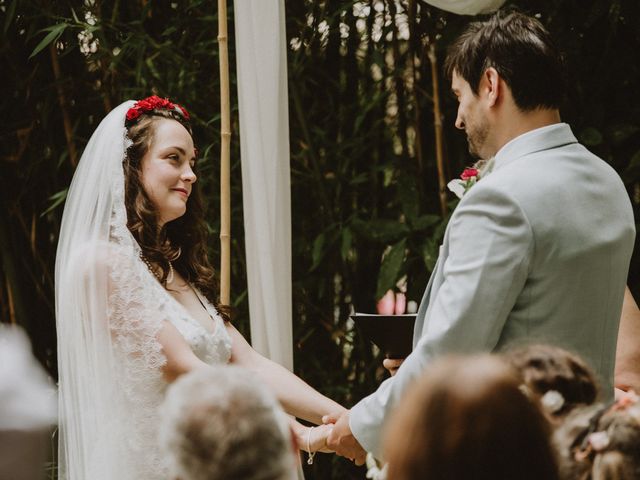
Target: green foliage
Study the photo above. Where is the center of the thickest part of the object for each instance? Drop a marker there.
(365, 203)
(391, 267)
(54, 34)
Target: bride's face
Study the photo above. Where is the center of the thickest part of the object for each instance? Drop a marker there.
(167, 169)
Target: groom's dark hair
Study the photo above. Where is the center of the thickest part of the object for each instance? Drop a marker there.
(522, 52)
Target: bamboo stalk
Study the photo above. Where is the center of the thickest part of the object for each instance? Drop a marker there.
(437, 123)
(32, 236)
(66, 119)
(225, 163)
(12, 308)
(398, 82)
(415, 49)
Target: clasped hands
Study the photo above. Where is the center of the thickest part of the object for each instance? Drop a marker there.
(340, 438)
(333, 436)
(336, 436)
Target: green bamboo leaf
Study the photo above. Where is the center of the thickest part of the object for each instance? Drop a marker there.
(424, 222)
(632, 172)
(408, 195)
(635, 160)
(429, 252)
(380, 230)
(11, 13)
(56, 200)
(390, 268)
(591, 137)
(359, 179)
(53, 35)
(75, 16)
(620, 133)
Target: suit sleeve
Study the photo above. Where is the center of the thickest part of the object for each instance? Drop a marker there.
(490, 247)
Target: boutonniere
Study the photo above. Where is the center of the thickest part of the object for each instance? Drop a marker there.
(470, 176)
(467, 179)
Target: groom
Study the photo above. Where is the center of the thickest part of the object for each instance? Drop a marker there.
(537, 251)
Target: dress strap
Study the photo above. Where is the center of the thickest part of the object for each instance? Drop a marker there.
(202, 302)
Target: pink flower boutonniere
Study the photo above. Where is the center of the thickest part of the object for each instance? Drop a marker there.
(470, 176)
(467, 179)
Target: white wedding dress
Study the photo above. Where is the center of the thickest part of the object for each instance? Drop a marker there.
(140, 357)
(109, 311)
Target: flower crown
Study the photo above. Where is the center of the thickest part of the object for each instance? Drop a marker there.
(595, 441)
(151, 103)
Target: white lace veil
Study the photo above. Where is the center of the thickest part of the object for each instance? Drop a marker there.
(109, 309)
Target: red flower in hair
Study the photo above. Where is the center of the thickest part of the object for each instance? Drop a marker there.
(153, 103)
(184, 111)
(133, 113)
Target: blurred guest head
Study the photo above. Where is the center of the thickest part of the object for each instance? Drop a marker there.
(601, 442)
(467, 419)
(27, 408)
(222, 423)
(560, 380)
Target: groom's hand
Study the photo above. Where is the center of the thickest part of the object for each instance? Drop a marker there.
(342, 441)
(392, 364)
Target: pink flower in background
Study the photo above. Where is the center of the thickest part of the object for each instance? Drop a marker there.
(401, 304)
(386, 305)
(392, 304)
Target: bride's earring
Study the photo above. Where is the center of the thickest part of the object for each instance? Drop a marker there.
(176, 256)
(170, 276)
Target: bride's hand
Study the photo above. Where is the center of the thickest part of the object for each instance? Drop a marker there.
(314, 439)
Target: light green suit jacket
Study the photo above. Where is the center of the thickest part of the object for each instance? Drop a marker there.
(538, 251)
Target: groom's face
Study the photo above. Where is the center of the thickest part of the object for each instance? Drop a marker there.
(470, 116)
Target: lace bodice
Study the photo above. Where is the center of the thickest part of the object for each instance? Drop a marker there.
(210, 347)
(138, 308)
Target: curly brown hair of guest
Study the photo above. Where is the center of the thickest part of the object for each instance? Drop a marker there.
(601, 441)
(467, 418)
(545, 367)
(181, 241)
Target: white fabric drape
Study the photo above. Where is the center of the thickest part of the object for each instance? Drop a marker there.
(261, 57)
(467, 7)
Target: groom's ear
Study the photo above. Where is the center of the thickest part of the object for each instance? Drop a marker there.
(490, 86)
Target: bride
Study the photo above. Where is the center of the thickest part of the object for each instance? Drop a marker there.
(136, 301)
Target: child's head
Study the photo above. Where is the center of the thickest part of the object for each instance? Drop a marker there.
(601, 442)
(559, 379)
(467, 418)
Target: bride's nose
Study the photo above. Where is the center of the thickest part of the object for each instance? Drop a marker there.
(188, 175)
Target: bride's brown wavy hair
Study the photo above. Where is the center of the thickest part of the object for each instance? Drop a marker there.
(181, 241)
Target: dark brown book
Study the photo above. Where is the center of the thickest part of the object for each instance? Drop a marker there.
(392, 334)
